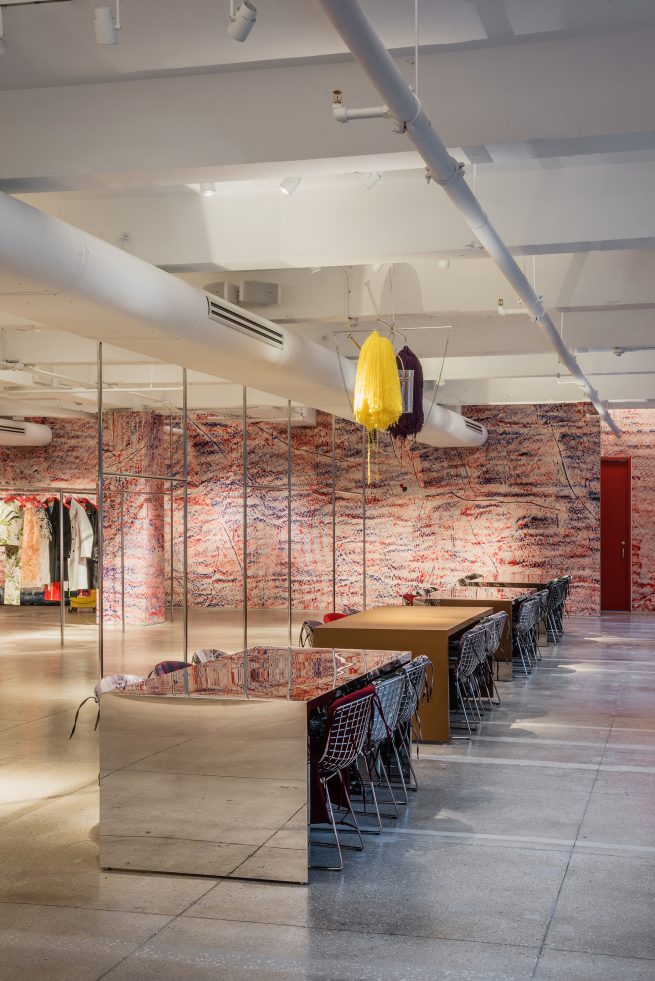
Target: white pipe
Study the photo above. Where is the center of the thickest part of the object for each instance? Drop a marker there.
(343, 115)
(58, 275)
(358, 34)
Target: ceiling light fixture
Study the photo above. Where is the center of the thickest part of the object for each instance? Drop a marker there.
(207, 189)
(289, 185)
(242, 20)
(107, 25)
(3, 40)
(370, 180)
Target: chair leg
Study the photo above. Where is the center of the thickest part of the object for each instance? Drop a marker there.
(337, 844)
(356, 828)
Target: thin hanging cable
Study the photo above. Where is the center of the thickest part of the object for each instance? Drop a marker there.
(416, 47)
(434, 397)
(393, 308)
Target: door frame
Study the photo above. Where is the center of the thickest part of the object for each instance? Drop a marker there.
(628, 460)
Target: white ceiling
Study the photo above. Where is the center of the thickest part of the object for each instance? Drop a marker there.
(549, 102)
(53, 43)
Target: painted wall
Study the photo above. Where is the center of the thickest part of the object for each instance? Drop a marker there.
(638, 442)
(527, 501)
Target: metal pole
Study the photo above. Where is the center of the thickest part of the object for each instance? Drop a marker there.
(123, 561)
(185, 517)
(101, 520)
(334, 516)
(170, 491)
(172, 560)
(62, 601)
(289, 462)
(245, 520)
(365, 437)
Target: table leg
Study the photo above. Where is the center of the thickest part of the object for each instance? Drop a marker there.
(435, 714)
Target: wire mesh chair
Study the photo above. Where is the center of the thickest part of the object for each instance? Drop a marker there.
(416, 674)
(524, 633)
(495, 626)
(542, 598)
(307, 629)
(472, 652)
(558, 592)
(349, 724)
(386, 709)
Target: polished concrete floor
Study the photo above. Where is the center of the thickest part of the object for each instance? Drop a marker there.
(529, 853)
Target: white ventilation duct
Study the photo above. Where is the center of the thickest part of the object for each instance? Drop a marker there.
(14, 433)
(58, 275)
(400, 102)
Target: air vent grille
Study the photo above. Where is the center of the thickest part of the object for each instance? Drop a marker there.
(241, 322)
(475, 426)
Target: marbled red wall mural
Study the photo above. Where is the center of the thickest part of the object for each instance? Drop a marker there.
(637, 441)
(527, 501)
(133, 442)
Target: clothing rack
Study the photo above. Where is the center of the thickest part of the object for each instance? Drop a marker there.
(60, 492)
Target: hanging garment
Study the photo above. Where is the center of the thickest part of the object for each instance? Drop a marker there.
(35, 550)
(11, 537)
(55, 519)
(92, 563)
(12, 576)
(81, 547)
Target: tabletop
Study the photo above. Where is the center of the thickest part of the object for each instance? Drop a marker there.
(442, 618)
(297, 674)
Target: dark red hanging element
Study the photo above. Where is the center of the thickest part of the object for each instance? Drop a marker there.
(410, 423)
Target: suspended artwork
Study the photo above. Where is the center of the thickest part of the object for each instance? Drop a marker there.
(411, 377)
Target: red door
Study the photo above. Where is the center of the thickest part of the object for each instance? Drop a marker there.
(615, 534)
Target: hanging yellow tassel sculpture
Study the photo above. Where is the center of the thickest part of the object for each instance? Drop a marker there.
(377, 400)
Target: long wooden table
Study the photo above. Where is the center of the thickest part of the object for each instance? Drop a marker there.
(419, 629)
(499, 599)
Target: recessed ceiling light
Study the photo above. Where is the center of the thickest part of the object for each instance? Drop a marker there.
(289, 185)
(370, 180)
(207, 189)
(443, 263)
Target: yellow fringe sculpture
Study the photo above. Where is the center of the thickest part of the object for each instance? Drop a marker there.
(377, 400)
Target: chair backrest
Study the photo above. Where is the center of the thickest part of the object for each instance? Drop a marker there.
(414, 673)
(349, 719)
(206, 654)
(386, 707)
(556, 595)
(331, 617)
(542, 598)
(495, 625)
(473, 650)
(307, 632)
(351, 610)
(528, 616)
